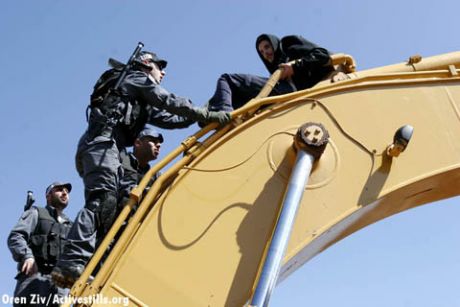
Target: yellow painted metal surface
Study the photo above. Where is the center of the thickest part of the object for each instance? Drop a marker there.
(202, 241)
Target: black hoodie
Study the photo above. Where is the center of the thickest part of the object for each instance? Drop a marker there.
(312, 63)
(279, 55)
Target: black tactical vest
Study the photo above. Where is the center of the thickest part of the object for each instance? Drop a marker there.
(48, 239)
(125, 115)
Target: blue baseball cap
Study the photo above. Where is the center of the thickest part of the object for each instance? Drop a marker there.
(151, 133)
(68, 186)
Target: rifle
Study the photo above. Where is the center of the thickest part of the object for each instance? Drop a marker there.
(29, 201)
(126, 67)
(116, 64)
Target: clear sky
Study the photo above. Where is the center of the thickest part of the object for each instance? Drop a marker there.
(53, 51)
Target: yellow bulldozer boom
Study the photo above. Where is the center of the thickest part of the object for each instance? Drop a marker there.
(200, 234)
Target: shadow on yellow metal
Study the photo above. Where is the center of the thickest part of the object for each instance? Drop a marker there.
(199, 234)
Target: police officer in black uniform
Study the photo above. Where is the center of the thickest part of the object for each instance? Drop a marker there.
(36, 242)
(116, 118)
(135, 164)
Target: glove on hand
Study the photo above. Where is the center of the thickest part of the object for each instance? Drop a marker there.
(221, 117)
(206, 116)
(201, 114)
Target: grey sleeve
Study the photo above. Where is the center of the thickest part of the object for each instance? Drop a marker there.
(166, 120)
(140, 86)
(20, 235)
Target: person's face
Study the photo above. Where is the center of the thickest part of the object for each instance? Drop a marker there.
(156, 72)
(149, 147)
(58, 197)
(266, 50)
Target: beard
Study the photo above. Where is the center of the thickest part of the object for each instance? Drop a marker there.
(59, 203)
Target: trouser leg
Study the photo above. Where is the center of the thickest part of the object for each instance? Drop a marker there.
(235, 90)
(37, 290)
(222, 98)
(81, 240)
(282, 87)
(99, 164)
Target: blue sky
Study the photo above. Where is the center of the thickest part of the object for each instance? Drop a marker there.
(52, 52)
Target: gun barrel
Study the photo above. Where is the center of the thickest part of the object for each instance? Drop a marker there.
(136, 52)
(29, 201)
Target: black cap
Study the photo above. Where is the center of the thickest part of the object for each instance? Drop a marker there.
(58, 184)
(152, 57)
(152, 133)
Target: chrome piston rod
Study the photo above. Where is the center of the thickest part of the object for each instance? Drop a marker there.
(292, 198)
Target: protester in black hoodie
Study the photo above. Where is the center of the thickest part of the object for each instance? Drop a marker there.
(311, 65)
(311, 62)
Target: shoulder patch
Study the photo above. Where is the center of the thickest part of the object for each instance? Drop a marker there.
(26, 214)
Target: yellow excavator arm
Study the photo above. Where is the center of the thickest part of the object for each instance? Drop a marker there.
(201, 234)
